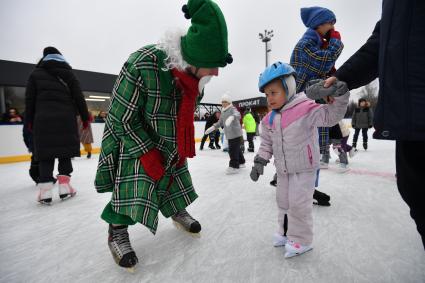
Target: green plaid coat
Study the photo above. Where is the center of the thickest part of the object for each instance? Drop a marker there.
(142, 116)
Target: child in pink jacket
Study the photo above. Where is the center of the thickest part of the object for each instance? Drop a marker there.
(289, 134)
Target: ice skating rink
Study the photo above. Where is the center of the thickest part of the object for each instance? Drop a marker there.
(366, 235)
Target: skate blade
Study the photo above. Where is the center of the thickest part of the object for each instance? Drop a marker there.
(131, 269)
(68, 196)
(322, 203)
(290, 254)
(180, 227)
(43, 203)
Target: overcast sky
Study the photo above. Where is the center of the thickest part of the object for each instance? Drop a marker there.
(98, 35)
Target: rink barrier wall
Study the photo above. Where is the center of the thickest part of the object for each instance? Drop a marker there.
(13, 149)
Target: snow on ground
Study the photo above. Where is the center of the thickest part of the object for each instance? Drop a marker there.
(366, 235)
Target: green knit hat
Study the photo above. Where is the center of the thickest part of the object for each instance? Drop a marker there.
(205, 44)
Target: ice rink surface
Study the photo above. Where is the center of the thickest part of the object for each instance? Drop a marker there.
(366, 235)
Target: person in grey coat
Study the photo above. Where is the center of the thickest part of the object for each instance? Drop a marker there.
(230, 120)
(362, 120)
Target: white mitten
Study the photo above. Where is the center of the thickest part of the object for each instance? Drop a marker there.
(229, 121)
(209, 130)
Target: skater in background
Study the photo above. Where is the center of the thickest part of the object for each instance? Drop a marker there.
(230, 120)
(362, 120)
(289, 134)
(345, 131)
(53, 99)
(335, 136)
(149, 131)
(86, 135)
(314, 57)
(395, 53)
(213, 136)
(250, 128)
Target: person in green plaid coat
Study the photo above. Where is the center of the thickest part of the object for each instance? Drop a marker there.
(149, 130)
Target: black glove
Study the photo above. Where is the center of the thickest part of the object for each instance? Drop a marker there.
(258, 168)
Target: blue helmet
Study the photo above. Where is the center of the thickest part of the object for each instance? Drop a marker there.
(276, 70)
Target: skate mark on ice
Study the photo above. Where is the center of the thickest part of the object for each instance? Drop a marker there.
(386, 175)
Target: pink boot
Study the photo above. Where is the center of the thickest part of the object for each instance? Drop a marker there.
(65, 188)
(45, 192)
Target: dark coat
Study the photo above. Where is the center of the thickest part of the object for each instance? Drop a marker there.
(362, 118)
(51, 108)
(394, 52)
(211, 121)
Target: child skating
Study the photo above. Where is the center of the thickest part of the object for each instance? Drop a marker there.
(362, 120)
(289, 134)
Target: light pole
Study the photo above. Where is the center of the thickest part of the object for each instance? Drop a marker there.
(266, 37)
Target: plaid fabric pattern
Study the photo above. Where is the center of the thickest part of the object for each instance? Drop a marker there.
(323, 139)
(311, 62)
(142, 116)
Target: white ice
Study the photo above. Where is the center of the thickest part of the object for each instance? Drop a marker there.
(366, 235)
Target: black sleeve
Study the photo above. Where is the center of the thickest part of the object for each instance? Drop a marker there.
(78, 96)
(30, 96)
(362, 67)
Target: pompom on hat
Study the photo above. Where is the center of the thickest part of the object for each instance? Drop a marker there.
(313, 17)
(205, 44)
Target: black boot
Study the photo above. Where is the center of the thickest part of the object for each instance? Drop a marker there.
(274, 181)
(217, 146)
(321, 198)
(186, 221)
(211, 146)
(89, 155)
(365, 145)
(119, 244)
(354, 145)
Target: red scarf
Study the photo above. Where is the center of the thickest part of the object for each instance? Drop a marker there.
(325, 45)
(188, 86)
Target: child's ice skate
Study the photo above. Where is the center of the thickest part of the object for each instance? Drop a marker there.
(294, 249)
(231, 171)
(65, 188)
(342, 168)
(321, 199)
(324, 165)
(183, 220)
(352, 152)
(119, 244)
(279, 240)
(45, 192)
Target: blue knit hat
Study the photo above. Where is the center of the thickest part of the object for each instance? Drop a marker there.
(313, 17)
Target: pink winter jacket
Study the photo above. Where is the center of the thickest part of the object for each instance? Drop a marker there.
(292, 138)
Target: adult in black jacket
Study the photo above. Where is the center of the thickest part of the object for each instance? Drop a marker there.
(395, 53)
(53, 100)
(214, 136)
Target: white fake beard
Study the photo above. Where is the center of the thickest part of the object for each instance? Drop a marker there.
(202, 82)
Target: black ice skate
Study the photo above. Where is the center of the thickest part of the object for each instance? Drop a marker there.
(321, 198)
(185, 221)
(119, 244)
(274, 181)
(365, 145)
